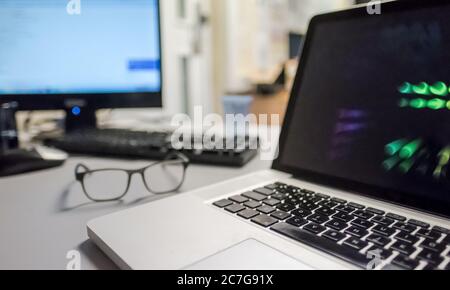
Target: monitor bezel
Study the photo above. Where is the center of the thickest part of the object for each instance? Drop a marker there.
(390, 195)
(94, 101)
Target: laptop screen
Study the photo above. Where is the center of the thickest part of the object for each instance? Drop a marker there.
(371, 106)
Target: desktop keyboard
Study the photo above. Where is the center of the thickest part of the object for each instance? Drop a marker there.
(366, 237)
(148, 145)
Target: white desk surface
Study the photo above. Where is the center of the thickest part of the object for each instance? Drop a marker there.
(43, 215)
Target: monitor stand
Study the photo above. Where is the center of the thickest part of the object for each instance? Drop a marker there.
(78, 119)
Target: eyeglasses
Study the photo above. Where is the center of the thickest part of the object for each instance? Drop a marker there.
(112, 184)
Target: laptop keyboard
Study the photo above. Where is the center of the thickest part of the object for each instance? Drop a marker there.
(366, 237)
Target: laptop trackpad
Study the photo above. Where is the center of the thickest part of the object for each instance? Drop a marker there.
(249, 255)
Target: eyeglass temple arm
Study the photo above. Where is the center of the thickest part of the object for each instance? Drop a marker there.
(80, 174)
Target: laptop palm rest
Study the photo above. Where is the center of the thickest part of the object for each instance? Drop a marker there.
(249, 255)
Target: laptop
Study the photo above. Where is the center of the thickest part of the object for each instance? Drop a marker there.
(362, 179)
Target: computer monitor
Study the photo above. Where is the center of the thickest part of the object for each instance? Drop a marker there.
(100, 54)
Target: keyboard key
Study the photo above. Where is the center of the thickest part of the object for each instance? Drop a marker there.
(431, 257)
(223, 203)
(407, 237)
(338, 200)
(286, 207)
(405, 262)
(303, 213)
(323, 196)
(432, 235)
(419, 224)
(356, 244)
(382, 220)
(383, 230)
(322, 244)
(314, 228)
(328, 203)
(337, 225)
(264, 220)
(404, 227)
(281, 215)
(345, 208)
(403, 247)
(272, 202)
(441, 230)
(381, 241)
(264, 191)
(280, 196)
(235, 208)
(375, 211)
(357, 232)
(325, 211)
(248, 214)
(239, 199)
(272, 186)
(362, 223)
(255, 196)
(334, 235)
(396, 217)
(296, 221)
(356, 205)
(318, 218)
(433, 245)
(309, 206)
(363, 214)
(266, 209)
(343, 216)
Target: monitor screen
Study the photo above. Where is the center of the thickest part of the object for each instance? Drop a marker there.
(100, 47)
(372, 105)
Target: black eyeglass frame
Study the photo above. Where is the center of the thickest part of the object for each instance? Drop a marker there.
(80, 176)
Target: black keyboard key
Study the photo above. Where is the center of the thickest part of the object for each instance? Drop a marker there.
(272, 202)
(379, 240)
(375, 211)
(280, 196)
(404, 248)
(264, 191)
(325, 211)
(338, 200)
(405, 263)
(286, 207)
(313, 199)
(266, 209)
(404, 227)
(235, 208)
(252, 204)
(356, 205)
(407, 237)
(309, 206)
(281, 215)
(264, 220)
(337, 225)
(255, 196)
(431, 257)
(314, 228)
(396, 217)
(363, 214)
(322, 196)
(248, 214)
(356, 232)
(322, 244)
(383, 230)
(239, 199)
(362, 223)
(344, 216)
(441, 230)
(432, 235)
(296, 221)
(307, 191)
(303, 213)
(355, 243)
(433, 245)
(334, 235)
(318, 218)
(382, 220)
(419, 224)
(345, 208)
(328, 203)
(223, 203)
